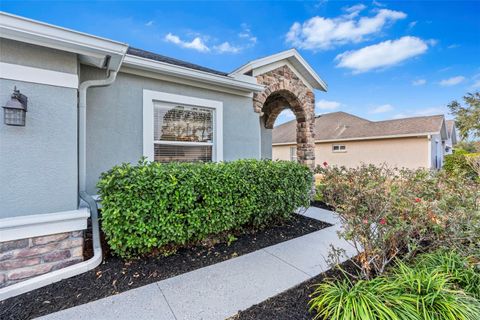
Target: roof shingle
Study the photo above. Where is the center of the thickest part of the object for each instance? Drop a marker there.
(177, 62)
(343, 126)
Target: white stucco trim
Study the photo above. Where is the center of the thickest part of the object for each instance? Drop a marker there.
(14, 228)
(37, 75)
(149, 97)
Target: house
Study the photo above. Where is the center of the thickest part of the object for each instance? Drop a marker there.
(452, 136)
(343, 139)
(75, 104)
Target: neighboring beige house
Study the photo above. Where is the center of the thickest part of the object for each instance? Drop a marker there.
(343, 139)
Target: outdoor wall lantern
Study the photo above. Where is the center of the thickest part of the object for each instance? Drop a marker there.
(15, 109)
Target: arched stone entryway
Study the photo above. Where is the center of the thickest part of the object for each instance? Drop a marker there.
(284, 89)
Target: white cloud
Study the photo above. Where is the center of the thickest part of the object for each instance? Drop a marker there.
(150, 23)
(325, 33)
(452, 81)
(430, 111)
(382, 109)
(378, 4)
(196, 44)
(419, 82)
(355, 9)
(476, 84)
(226, 47)
(453, 46)
(412, 24)
(327, 105)
(247, 34)
(381, 55)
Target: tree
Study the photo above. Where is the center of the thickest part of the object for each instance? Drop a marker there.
(468, 146)
(467, 118)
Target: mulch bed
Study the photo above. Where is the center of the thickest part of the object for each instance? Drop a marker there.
(115, 275)
(293, 303)
(321, 205)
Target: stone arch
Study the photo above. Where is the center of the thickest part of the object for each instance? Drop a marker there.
(284, 89)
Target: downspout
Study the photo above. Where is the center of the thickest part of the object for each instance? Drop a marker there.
(93, 262)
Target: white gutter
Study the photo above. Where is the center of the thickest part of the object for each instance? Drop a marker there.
(76, 269)
(229, 82)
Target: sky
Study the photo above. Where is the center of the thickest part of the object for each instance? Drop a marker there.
(380, 59)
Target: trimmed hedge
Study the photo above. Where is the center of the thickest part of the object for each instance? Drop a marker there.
(151, 205)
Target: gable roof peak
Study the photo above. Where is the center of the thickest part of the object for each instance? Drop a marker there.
(296, 61)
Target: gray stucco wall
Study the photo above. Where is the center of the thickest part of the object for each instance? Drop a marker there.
(35, 56)
(115, 121)
(38, 162)
(266, 137)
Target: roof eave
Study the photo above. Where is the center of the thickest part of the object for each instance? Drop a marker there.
(101, 52)
(190, 74)
(424, 134)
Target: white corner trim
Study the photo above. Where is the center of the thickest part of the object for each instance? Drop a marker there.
(37, 75)
(22, 227)
(149, 97)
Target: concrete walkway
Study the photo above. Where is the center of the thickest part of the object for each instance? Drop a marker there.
(221, 290)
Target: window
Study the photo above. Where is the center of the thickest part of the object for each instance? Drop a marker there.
(339, 148)
(181, 128)
(293, 154)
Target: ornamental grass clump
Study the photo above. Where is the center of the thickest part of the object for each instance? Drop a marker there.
(432, 287)
(152, 205)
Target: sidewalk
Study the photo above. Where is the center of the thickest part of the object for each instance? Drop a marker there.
(221, 290)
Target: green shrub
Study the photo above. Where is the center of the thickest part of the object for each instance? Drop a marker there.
(151, 205)
(418, 292)
(457, 163)
(388, 213)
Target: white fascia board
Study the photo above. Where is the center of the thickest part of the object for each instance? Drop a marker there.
(135, 62)
(295, 59)
(30, 31)
(413, 135)
(23, 227)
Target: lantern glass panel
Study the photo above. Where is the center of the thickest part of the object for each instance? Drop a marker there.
(14, 117)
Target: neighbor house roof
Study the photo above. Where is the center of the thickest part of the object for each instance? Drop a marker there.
(452, 133)
(338, 126)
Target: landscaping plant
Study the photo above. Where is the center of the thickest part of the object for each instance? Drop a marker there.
(431, 288)
(389, 213)
(152, 205)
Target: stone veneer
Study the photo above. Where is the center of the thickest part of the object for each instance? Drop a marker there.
(25, 258)
(285, 89)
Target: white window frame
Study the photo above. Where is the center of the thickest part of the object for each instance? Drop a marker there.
(149, 99)
(293, 154)
(339, 148)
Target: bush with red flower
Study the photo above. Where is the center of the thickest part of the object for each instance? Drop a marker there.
(391, 213)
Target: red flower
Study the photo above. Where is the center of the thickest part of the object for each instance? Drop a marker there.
(418, 200)
(325, 163)
(383, 221)
(365, 221)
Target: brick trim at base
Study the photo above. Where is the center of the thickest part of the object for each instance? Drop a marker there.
(26, 258)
